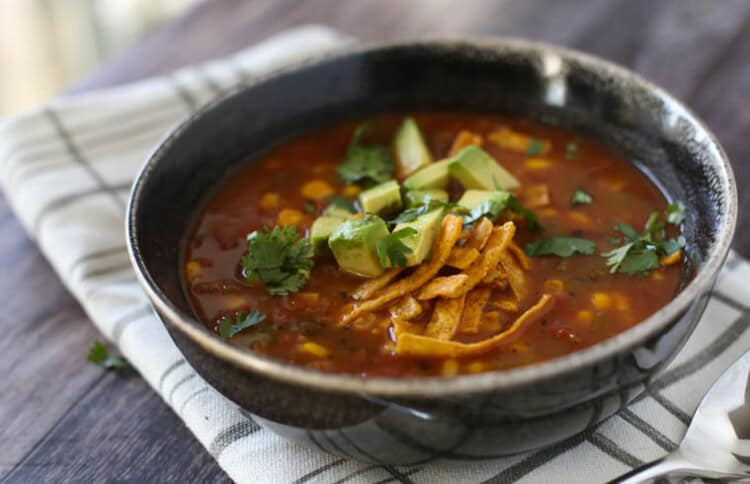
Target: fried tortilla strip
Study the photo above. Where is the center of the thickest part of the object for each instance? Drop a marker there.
(492, 322)
(514, 274)
(445, 318)
(476, 299)
(371, 286)
(406, 309)
(535, 196)
(480, 234)
(449, 232)
(455, 286)
(440, 286)
(463, 139)
(425, 347)
(401, 326)
(520, 256)
(462, 257)
(505, 304)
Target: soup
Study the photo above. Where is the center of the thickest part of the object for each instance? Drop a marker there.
(432, 244)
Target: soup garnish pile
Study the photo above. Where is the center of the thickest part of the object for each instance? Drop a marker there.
(435, 244)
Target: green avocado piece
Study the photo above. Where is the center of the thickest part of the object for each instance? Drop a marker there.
(416, 198)
(320, 231)
(354, 245)
(474, 198)
(410, 148)
(431, 176)
(475, 168)
(381, 199)
(428, 227)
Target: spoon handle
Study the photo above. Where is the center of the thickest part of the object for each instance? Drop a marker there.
(658, 468)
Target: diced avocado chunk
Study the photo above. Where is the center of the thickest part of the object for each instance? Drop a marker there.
(475, 168)
(474, 198)
(381, 199)
(427, 227)
(336, 211)
(431, 176)
(411, 150)
(416, 198)
(320, 231)
(354, 245)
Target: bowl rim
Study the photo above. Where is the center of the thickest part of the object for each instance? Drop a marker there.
(424, 387)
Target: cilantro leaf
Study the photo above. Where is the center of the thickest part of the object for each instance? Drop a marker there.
(560, 246)
(99, 354)
(675, 213)
(392, 249)
(310, 207)
(571, 150)
(580, 197)
(535, 147)
(489, 208)
(341, 202)
(616, 256)
(493, 207)
(640, 253)
(368, 163)
(230, 326)
(639, 262)
(279, 259)
(411, 214)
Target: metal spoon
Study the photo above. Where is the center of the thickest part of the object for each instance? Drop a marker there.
(717, 443)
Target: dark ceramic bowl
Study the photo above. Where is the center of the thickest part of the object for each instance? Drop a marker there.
(400, 421)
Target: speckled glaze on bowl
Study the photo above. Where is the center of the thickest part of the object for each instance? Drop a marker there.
(406, 421)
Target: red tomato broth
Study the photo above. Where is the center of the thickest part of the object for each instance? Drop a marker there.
(621, 194)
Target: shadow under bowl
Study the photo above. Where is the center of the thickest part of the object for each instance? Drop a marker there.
(406, 421)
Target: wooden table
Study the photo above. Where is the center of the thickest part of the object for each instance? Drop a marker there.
(64, 419)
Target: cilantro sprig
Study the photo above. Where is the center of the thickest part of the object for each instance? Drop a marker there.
(640, 253)
(366, 163)
(561, 247)
(411, 214)
(279, 259)
(231, 325)
(99, 355)
(390, 248)
(535, 147)
(503, 200)
(675, 213)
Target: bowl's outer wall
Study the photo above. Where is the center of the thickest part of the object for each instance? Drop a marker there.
(632, 120)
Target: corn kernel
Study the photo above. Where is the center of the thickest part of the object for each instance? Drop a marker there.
(601, 301)
(622, 303)
(535, 164)
(657, 275)
(519, 348)
(579, 217)
(192, 270)
(269, 201)
(672, 258)
(314, 349)
(450, 367)
(289, 216)
(585, 316)
(476, 367)
(553, 285)
(351, 191)
(316, 189)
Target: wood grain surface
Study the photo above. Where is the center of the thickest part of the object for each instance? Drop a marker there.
(64, 420)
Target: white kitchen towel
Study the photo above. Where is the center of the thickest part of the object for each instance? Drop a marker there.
(67, 169)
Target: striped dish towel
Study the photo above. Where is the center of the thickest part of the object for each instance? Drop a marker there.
(67, 169)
